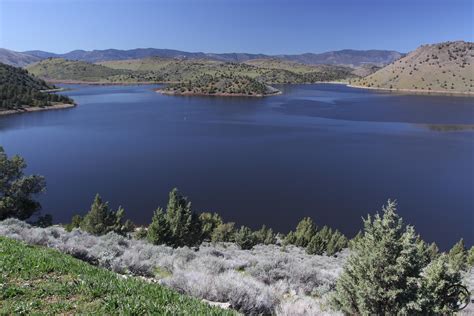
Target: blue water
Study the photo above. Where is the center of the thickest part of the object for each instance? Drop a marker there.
(326, 151)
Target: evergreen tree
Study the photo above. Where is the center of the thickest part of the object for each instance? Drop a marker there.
(224, 232)
(100, 219)
(380, 277)
(245, 238)
(439, 279)
(159, 231)
(470, 258)
(305, 230)
(16, 189)
(265, 236)
(75, 222)
(209, 223)
(184, 224)
(458, 255)
(336, 243)
(387, 272)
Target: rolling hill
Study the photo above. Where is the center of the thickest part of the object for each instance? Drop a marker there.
(172, 70)
(58, 69)
(347, 57)
(442, 67)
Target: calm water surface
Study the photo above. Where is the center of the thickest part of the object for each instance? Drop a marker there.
(325, 151)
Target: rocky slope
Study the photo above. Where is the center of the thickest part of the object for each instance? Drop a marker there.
(443, 67)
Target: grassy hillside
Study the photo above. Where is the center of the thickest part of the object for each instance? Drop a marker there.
(224, 85)
(61, 69)
(443, 67)
(35, 280)
(18, 89)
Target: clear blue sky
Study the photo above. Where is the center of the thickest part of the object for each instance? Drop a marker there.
(256, 26)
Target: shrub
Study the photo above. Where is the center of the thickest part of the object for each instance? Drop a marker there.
(44, 221)
(209, 222)
(177, 227)
(75, 223)
(159, 232)
(265, 236)
(100, 219)
(383, 275)
(224, 233)
(16, 189)
(244, 238)
(305, 230)
(458, 255)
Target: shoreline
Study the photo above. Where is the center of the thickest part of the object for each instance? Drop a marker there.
(38, 109)
(194, 94)
(415, 91)
(102, 83)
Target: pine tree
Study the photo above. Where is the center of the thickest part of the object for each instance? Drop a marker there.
(439, 279)
(458, 255)
(101, 219)
(245, 238)
(305, 230)
(16, 189)
(265, 236)
(224, 232)
(98, 220)
(470, 257)
(381, 275)
(209, 223)
(184, 225)
(159, 231)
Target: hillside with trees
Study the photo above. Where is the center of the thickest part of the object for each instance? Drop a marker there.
(445, 67)
(18, 89)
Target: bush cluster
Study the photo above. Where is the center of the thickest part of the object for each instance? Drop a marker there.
(316, 241)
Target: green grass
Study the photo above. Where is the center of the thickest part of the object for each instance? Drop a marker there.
(36, 280)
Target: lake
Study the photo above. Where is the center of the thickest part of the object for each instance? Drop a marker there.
(326, 151)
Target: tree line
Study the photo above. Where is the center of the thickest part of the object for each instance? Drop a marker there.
(19, 89)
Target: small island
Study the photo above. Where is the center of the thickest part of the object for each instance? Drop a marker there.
(220, 85)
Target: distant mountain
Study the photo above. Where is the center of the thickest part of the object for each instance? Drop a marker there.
(351, 58)
(347, 57)
(16, 59)
(445, 67)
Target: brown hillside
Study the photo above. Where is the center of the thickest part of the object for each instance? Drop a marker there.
(443, 67)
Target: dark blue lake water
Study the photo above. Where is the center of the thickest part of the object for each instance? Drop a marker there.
(326, 151)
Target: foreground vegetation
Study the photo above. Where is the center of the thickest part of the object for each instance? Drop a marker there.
(18, 90)
(389, 268)
(36, 280)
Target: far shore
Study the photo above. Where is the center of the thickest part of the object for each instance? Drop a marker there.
(104, 83)
(37, 109)
(415, 91)
(189, 93)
